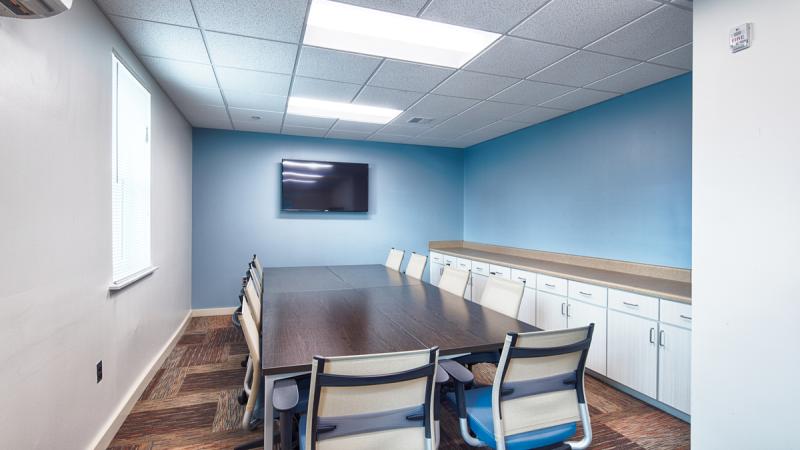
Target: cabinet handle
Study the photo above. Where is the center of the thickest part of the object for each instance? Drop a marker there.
(568, 310)
(588, 294)
(633, 305)
(492, 273)
(661, 338)
(550, 285)
(686, 317)
(652, 338)
(563, 305)
(522, 279)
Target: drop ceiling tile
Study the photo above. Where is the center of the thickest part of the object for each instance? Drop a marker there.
(579, 98)
(248, 53)
(353, 135)
(490, 15)
(186, 96)
(636, 77)
(250, 100)
(293, 120)
(401, 130)
(658, 32)
(681, 57)
(582, 68)
(531, 93)
(498, 128)
(345, 126)
(433, 142)
(576, 23)
(486, 112)
(406, 7)
(455, 127)
(409, 76)
(391, 138)
(473, 85)
(253, 81)
(517, 57)
(466, 142)
(165, 41)
(387, 98)
(267, 122)
(536, 115)
(305, 131)
(176, 12)
(207, 117)
(437, 107)
(685, 3)
(281, 20)
(335, 65)
(170, 72)
(324, 89)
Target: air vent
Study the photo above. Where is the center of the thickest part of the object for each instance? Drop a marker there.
(420, 120)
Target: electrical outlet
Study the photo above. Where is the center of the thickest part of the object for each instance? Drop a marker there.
(100, 371)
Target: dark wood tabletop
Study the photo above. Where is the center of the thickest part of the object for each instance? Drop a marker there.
(367, 309)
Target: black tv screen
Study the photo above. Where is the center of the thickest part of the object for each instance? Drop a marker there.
(324, 186)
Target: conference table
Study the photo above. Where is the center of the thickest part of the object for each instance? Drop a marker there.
(363, 309)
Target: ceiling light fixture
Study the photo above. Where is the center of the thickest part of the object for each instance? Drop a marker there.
(337, 110)
(362, 30)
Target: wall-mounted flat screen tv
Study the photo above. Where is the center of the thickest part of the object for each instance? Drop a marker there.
(324, 186)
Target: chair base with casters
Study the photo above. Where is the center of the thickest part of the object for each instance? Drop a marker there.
(289, 399)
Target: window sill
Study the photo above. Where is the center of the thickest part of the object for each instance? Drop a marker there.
(129, 280)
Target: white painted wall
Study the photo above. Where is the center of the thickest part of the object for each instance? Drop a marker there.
(746, 227)
(57, 318)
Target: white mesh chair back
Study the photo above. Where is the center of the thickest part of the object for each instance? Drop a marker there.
(395, 259)
(503, 296)
(253, 297)
(539, 382)
(257, 265)
(382, 401)
(251, 337)
(416, 266)
(454, 280)
(255, 278)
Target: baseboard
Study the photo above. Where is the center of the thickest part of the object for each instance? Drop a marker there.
(205, 312)
(110, 430)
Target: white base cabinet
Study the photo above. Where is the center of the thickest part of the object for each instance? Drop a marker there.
(633, 352)
(551, 311)
(674, 366)
(580, 314)
(478, 284)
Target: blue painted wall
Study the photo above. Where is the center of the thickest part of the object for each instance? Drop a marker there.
(416, 195)
(610, 181)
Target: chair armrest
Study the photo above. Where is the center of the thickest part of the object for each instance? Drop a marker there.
(459, 373)
(285, 395)
(441, 376)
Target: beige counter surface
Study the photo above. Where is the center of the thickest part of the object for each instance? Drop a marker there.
(657, 287)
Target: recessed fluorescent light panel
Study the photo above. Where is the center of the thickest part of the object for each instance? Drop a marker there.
(362, 30)
(344, 111)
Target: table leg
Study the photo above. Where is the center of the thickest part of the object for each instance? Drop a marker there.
(269, 413)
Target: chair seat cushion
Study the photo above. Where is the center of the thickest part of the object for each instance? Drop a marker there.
(479, 417)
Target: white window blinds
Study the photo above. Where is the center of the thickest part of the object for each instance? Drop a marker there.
(130, 176)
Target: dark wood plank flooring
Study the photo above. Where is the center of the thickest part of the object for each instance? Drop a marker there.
(191, 403)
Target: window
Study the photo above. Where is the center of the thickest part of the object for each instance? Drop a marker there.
(130, 177)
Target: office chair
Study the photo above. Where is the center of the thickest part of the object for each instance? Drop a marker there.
(503, 296)
(454, 281)
(395, 259)
(416, 265)
(381, 401)
(537, 396)
(254, 303)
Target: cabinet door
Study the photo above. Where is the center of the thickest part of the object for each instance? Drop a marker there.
(527, 309)
(436, 273)
(674, 366)
(478, 283)
(580, 314)
(551, 311)
(633, 352)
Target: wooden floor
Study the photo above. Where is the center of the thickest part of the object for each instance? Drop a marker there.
(191, 403)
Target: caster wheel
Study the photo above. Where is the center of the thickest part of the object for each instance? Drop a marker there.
(242, 398)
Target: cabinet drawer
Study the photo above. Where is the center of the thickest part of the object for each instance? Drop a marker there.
(676, 313)
(555, 285)
(500, 271)
(588, 293)
(529, 278)
(451, 261)
(481, 268)
(437, 258)
(637, 304)
(464, 264)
